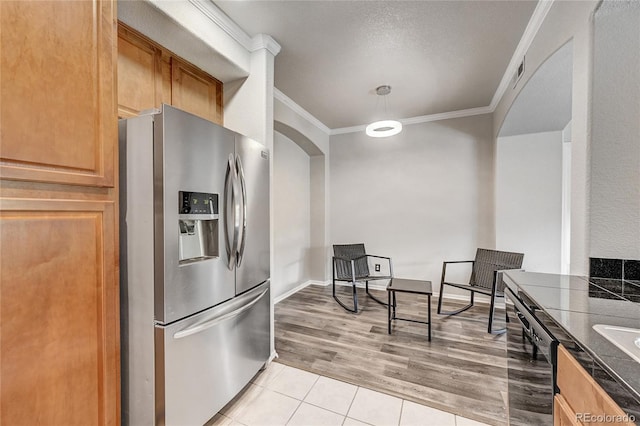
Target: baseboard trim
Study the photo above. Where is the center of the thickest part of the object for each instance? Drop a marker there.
(291, 292)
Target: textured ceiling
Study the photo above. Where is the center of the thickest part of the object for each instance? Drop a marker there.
(438, 56)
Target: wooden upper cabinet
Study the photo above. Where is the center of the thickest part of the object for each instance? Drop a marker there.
(149, 75)
(139, 74)
(57, 91)
(195, 91)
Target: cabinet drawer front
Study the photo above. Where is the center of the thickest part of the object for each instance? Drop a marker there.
(582, 393)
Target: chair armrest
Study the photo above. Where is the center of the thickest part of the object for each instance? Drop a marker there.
(378, 257)
(444, 268)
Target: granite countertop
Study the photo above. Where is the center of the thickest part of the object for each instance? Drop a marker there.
(575, 304)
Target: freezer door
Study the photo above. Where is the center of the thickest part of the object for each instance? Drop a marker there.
(252, 259)
(207, 359)
(191, 155)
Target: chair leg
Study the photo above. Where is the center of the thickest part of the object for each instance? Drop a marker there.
(389, 312)
(366, 288)
(491, 309)
(456, 312)
(355, 300)
(355, 297)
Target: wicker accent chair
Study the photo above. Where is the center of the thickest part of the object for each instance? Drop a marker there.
(484, 279)
(351, 264)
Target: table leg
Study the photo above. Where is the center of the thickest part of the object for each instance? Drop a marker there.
(394, 305)
(389, 311)
(429, 314)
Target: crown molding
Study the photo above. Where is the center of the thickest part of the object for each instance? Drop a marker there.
(218, 17)
(421, 119)
(277, 94)
(447, 115)
(352, 129)
(530, 32)
(265, 41)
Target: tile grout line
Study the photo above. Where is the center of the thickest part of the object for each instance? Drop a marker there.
(300, 401)
(314, 383)
(401, 410)
(294, 412)
(351, 404)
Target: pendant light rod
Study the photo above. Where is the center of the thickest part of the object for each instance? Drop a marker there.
(384, 128)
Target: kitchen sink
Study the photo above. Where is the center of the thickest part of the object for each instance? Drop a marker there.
(626, 339)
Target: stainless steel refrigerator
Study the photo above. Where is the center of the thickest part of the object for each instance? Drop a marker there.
(195, 292)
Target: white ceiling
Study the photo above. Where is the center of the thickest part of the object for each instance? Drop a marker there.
(438, 56)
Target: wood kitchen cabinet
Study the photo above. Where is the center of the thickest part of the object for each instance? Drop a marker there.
(581, 395)
(140, 84)
(59, 324)
(194, 91)
(150, 75)
(57, 100)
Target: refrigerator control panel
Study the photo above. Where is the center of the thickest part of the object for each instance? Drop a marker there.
(198, 203)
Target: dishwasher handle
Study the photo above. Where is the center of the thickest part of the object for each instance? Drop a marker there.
(543, 339)
(197, 328)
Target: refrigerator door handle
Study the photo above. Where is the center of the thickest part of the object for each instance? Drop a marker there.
(230, 218)
(197, 328)
(243, 187)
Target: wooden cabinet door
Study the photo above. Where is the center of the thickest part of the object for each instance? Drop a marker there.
(140, 85)
(59, 340)
(57, 91)
(196, 92)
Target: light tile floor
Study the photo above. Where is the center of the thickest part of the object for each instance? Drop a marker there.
(282, 395)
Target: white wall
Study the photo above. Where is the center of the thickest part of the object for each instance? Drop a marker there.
(419, 197)
(291, 207)
(615, 140)
(529, 198)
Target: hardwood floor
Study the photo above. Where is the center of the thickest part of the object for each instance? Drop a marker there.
(462, 370)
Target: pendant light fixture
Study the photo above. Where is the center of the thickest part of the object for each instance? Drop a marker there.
(384, 128)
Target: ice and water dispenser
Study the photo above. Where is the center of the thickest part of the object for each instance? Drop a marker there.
(198, 221)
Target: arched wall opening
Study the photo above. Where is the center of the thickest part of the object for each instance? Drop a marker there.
(533, 159)
(299, 205)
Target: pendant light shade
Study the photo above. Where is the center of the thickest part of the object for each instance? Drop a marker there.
(384, 128)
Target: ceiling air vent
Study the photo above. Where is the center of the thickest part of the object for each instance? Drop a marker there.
(518, 74)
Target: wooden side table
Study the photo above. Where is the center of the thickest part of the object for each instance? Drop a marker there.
(402, 285)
